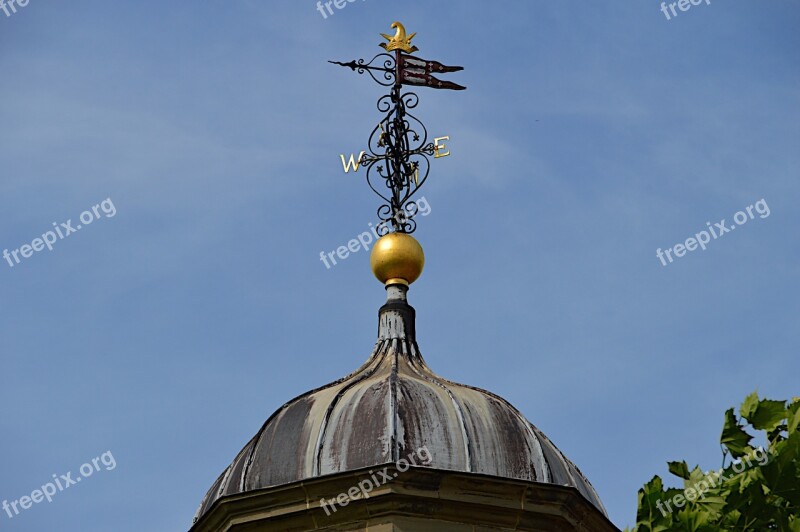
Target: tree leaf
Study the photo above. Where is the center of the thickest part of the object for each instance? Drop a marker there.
(733, 437)
(679, 469)
(759, 492)
(794, 417)
(749, 406)
(768, 415)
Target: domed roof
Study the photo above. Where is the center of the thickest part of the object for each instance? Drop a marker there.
(388, 408)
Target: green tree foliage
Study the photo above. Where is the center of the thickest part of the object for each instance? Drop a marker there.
(758, 490)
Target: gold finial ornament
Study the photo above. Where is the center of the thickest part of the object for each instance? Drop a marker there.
(399, 41)
(397, 258)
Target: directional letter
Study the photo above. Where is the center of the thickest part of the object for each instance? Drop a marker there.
(438, 147)
(352, 162)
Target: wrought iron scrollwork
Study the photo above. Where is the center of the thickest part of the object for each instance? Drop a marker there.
(397, 158)
(387, 74)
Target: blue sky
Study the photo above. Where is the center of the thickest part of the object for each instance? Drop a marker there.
(591, 134)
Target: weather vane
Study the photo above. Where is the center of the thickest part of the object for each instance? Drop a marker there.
(398, 149)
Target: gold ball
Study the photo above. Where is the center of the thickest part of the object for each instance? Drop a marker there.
(397, 258)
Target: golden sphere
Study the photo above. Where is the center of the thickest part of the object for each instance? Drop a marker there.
(397, 258)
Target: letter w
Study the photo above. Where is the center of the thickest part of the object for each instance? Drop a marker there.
(352, 162)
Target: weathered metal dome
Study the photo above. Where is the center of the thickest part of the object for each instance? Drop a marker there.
(390, 407)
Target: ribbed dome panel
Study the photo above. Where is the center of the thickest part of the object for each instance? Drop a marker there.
(388, 409)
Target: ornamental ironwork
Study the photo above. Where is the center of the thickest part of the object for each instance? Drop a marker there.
(397, 158)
